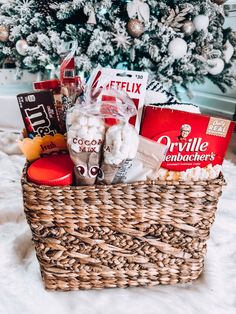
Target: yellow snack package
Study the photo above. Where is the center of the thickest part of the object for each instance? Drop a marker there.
(41, 146)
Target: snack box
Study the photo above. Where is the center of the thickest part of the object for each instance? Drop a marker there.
(193, 140)
(39, 113)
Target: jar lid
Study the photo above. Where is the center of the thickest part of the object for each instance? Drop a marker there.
(52, 170)
(49, 84)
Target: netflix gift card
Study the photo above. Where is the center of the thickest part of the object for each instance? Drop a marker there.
(134, 83)
(39, 113)
(193, 140)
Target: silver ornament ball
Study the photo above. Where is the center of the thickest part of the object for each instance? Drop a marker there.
(4, 33)
(135, 28)
(22, 46)
(188, 28)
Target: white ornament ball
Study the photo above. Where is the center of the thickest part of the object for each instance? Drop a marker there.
(216, 66)
(201, 22)
(177, 48)
(22, 46)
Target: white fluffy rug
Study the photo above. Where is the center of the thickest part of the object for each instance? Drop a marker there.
(22, 292)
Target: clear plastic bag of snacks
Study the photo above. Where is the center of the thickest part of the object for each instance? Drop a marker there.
(99, 151)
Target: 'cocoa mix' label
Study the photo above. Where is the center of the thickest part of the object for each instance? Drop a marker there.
(192, 139)
(81, 145)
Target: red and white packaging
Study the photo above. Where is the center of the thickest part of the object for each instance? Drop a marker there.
(196, 143)
(67, 68)
(134, 83)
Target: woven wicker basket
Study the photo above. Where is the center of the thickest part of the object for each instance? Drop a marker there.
(140, 234)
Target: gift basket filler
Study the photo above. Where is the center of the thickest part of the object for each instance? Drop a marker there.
(121, 183)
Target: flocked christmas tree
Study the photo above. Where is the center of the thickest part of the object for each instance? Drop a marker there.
(175, 41)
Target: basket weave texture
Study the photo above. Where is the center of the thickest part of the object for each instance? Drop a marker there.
(140, 234)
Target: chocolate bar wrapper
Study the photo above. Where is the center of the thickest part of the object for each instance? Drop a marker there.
(39, 113)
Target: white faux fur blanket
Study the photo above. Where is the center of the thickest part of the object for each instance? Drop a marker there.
(22, 292)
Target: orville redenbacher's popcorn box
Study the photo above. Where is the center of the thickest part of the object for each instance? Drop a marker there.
(196, 143)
